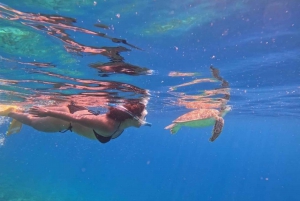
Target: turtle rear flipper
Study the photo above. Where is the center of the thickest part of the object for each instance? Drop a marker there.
(217, 128)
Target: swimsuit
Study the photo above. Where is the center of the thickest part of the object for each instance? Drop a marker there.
(103, 139)
(68, 129)
(74, 108)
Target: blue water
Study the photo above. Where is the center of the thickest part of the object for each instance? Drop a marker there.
(254, 44)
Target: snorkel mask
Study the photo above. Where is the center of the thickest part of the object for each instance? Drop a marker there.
(122, 108)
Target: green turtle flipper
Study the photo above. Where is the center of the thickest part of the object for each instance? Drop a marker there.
(173, 128)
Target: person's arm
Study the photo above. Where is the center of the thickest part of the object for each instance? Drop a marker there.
(91, 121)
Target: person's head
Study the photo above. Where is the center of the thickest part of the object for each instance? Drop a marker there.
(135, 108)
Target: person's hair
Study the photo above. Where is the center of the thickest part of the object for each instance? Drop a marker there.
(135, 108)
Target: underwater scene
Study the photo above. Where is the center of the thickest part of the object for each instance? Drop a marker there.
(138, 100)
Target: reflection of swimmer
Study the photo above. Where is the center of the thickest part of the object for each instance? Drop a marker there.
(118, 40)
(120, 67)
(80, 120)
(103, 26)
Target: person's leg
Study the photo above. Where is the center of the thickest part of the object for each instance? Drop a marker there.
(21, 117)
(44, 124)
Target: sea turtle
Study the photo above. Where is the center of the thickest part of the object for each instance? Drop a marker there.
(201, 118)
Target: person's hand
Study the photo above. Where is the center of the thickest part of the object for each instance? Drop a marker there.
(38, 111)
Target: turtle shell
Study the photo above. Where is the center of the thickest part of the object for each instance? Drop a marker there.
(195, 115)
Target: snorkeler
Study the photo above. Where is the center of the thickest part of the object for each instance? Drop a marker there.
(80, 120)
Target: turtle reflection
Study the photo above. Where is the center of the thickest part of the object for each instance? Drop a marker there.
(109, 68)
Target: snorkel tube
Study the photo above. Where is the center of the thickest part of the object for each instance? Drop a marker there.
(122, 108)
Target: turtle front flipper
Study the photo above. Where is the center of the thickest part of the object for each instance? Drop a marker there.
(173, 128)
(217, 128)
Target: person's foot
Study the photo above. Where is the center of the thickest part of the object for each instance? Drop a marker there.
(14, 127)
(6, 109)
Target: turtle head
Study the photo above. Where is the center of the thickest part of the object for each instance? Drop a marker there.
(225, 109)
